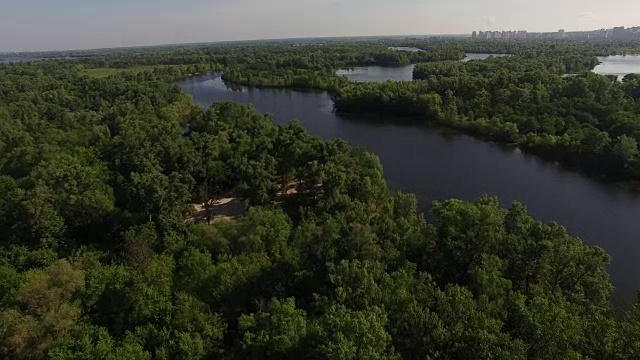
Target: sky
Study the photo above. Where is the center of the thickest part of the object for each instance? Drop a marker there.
(33, 25)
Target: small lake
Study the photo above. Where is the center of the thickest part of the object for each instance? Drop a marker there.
(618, 65)
(378, 73)
(17, 59)
(404, 48)
(437, 165)
(481, 56)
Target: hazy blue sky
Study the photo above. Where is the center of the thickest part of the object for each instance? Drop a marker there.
(74, 24)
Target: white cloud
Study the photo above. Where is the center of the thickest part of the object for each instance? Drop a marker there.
(587, 15)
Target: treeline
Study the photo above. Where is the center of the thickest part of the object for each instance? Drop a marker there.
(316, 57)
(98, 259)
(588, 121)
(555, 63)
(311, 53)
(296, 79)
(521, 46)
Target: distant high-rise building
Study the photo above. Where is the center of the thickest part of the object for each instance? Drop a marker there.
(616, 33)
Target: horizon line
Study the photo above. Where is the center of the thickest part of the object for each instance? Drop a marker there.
(232, 41)
(276, 39)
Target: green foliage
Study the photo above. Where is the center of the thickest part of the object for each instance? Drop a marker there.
(276, 332)
(44, 311)
(100, 257)
(345, 334)
(105, 72)
(90, 342)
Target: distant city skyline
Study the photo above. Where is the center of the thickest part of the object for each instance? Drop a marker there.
(614, 33)
(32, 25)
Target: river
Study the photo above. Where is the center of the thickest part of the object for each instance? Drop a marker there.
(618, 65)
(437, 165)
(397, 73)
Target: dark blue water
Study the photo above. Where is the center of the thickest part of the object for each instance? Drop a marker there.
(436, 166)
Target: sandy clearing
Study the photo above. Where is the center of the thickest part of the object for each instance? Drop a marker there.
(224, 209)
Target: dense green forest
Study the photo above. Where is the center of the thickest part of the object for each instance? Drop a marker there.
(585, 121)
(102, 257)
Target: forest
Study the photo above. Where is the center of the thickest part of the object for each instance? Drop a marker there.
(102, 257)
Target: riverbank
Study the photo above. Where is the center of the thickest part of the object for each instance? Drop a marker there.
(439, 163)
(566, 157)
(583, 163)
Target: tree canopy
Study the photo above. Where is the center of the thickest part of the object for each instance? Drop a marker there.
(101, 257)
